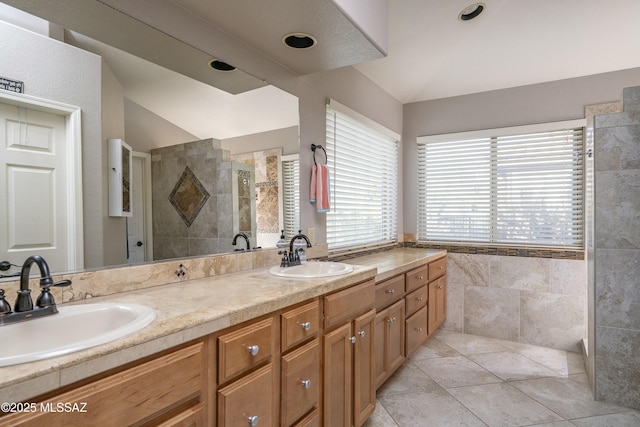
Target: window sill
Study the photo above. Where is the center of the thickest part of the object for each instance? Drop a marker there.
(518, 251)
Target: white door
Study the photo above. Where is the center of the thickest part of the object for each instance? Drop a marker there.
(138, 225)
(135, 223)
(33, 186)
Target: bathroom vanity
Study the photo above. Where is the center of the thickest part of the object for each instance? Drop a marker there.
(244, 348)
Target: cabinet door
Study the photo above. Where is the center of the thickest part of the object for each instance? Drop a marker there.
(380, 347)
(395, 337)
(364, 393)
(416, 330)
(249, 400)
(437, 303)
(337, 377)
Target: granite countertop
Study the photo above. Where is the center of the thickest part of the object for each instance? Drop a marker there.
(192, 309)
(396, 261)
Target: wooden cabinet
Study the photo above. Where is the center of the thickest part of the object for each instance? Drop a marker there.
(169, 389)
(318, 362)
(389, 345)
(348, 356)
(437, 303)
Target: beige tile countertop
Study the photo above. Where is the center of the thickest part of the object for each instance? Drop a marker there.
(192, 309)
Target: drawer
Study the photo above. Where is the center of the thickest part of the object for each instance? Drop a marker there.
(127, 397)
(416, 330)
(389, 291)
(416, 299)
(245, 348)
(300, 382)
(417, 278)
(249, 397)
(437, 268)
(300, 324)
(346, 304)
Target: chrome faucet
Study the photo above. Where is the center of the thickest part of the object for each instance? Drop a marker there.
(23, 308)
(245, 237)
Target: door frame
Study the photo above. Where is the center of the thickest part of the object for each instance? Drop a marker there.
(73, 142)
(146, 203)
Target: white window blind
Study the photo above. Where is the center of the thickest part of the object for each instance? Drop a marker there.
(363, 165)
(521, 189)
(291, 197)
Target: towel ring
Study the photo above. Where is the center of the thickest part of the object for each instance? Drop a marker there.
(313, 148)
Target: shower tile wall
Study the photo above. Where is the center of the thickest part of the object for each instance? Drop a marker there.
(617, 253)
(538, 301)
(212, 230)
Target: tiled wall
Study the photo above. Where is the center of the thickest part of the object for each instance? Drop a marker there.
(539, 301)
(617, 253)
(219, 217)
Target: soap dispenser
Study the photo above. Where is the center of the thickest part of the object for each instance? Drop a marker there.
(282, 243)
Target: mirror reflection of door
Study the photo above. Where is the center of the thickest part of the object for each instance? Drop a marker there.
(137, 237)
(33, 185)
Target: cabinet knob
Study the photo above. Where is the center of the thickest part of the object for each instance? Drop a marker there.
(306, 325)
(419, 299)
(391, 291)
(362, 334)
(353, 340)
(418, 329)
(420, 277)
(253, 421)
(440, 287)
(441, 267)
(253, 350)
(306, 383)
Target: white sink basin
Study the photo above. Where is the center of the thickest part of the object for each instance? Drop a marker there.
(312, 270)
(73, 328)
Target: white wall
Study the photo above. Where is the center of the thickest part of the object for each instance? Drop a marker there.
(63, 73)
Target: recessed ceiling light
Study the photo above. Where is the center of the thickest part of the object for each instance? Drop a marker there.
(221, 66)
(471, 12)
(299, 40)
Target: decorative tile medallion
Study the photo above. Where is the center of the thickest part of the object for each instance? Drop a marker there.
(188, 196)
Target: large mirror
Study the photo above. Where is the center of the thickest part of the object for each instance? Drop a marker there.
(169, 106)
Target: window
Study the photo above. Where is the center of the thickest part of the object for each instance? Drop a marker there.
(291, 195)
(516, 186)
(363, 165)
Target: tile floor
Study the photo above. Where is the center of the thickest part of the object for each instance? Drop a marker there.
(467, 380)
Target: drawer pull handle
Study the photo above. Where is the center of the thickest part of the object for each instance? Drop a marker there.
(362, 334)
(391, 291)
(306, 325)
(418, 329)
(391, 319)
(253, 421)
(306, 383)
(253, 350)
(353, 340)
